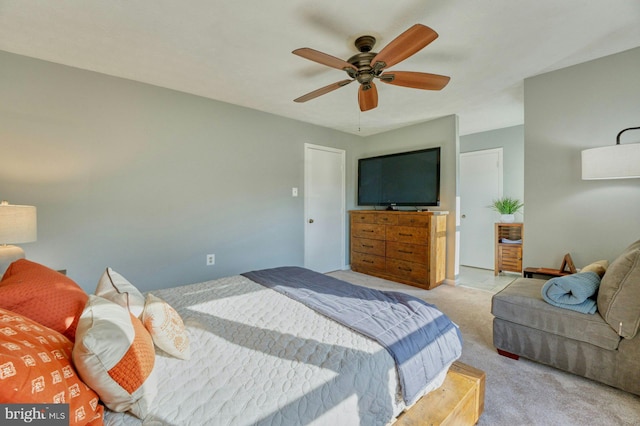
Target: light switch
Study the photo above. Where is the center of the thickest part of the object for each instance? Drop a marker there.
(294, 192)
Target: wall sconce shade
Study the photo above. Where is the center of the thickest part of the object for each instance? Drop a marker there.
(612, 162)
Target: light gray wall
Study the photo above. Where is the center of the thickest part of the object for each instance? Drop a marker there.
(511, 140)
(567, 111)
(442, 132)
(149, 180)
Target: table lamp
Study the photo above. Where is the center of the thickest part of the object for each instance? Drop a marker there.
(17, 225)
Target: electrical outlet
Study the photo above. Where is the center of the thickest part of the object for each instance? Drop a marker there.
(211, 259)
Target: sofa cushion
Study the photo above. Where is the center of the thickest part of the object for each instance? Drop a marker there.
(521, 303)
(619, 295)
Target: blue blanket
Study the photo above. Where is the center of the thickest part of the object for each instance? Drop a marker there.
(421, 339)
(573, 292)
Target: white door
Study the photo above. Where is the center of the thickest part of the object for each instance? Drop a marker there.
(480, 184)
(324, 205)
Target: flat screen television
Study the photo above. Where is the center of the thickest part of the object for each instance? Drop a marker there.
(403, 179)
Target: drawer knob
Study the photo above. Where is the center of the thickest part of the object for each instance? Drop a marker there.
(310, 220)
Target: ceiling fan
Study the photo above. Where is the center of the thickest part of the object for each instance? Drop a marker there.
(367, 65)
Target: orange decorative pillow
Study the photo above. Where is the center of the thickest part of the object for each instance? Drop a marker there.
(114, 354)
(44, 295)
(35, 367)
(166, 327)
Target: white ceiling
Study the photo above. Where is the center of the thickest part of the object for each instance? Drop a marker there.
(240, 51)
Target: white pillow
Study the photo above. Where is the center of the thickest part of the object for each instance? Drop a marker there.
(166, 327)
(116, 288)
(114, 356)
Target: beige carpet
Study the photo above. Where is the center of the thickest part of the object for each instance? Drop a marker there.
(517, 392)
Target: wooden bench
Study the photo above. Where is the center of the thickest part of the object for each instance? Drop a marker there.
(549, 272)
(567, 263)
(459, 401)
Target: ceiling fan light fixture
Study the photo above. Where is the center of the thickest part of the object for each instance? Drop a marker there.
(365, 78)
(365, 66)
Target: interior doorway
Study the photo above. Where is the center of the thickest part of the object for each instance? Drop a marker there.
(324, 205)
(481, 174)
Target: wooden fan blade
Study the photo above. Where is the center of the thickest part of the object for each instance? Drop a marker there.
(405, 45)
(416, 80)
(368, 98)
(322, 91)
(323, 58)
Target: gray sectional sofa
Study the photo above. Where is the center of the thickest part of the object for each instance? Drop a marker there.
(604, 346)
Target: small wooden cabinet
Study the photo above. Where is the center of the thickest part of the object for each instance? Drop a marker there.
(508, 251)
(402, 246)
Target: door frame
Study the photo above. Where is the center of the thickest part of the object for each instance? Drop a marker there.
(343, 209)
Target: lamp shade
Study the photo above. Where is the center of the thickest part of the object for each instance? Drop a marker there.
(611, 162)
(18, 224)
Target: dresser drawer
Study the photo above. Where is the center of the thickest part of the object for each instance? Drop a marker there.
(368, 230)
(408, 252)
(362, 217)
(419, 220)
(407, 234)
(387, 218)
(361, 261)
(365, 245)
(408, 270)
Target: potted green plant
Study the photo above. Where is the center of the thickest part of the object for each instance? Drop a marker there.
(507, 207)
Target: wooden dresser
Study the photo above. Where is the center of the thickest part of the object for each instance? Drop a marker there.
(402, 246)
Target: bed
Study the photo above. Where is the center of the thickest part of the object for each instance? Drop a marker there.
(259, 357)
(256, 355)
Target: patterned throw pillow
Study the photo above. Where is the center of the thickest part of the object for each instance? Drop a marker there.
(114, 287)
(114, 355)
(44, 295)
(166, 327)
(35, 367)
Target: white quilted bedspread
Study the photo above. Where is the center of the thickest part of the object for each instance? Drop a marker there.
(259, 357)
